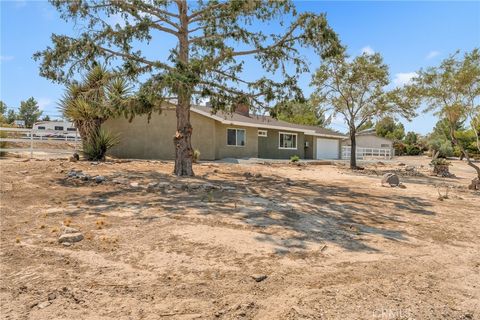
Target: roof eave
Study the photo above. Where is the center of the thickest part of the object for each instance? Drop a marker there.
(264, 126)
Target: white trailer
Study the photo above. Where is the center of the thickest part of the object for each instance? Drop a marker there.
(54, 129)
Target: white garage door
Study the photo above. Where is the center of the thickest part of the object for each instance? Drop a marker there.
(327, 148)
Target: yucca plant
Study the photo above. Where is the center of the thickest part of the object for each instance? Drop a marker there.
(99, 95)
(196, 155)
(95, 149)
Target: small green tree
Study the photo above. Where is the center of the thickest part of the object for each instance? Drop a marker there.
(442, 129)
(388, 128)
(11, 116)
(46, 118)
(3, 108)
(302, 112)
(29, 111)
(440, 148)
(3, 112)
(452, 91)
(355, 89)
(411, 138)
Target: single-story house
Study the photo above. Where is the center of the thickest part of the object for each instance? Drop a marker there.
(369, 144)
(223, 135)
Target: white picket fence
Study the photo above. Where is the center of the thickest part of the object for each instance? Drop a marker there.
(366, 153)
(33, 138)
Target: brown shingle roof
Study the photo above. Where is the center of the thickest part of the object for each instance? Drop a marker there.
(262, 121)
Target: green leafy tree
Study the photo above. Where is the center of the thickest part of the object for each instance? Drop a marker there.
(467, 139)
(388, 128)
(11, 116)
(46, 118)
(29, 111)
(452, 91)
(212, 40)
(355, 89)
(442, 129)
(367, 125)
(3, 112)
(440, 148)
(411, 138)
(302, 112)
(3, 108)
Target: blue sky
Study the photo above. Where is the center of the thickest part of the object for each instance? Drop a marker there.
(410, 35)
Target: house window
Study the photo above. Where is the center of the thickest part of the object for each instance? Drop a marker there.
(262, 133)
(383, 145)
(58, 128)
(71, 129)
(41, 128)
(287, 140)
(236, 137)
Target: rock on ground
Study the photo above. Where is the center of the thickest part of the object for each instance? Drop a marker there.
(475, 184)
(390, 179)
(259, 277)
(70, 237)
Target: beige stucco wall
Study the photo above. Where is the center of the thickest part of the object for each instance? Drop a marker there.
(269, 149)
(370, 141)
(249, 150)
(141, 139)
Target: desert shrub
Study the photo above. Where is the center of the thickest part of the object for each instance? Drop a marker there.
(97, 146)
(399, 148)
(3, 135)
(412, 150)
(457, 152)
(294, 158)
(440, 167)
(446, 149)
(443, 147)
(440, 162)
(3, 144)
(196, 155)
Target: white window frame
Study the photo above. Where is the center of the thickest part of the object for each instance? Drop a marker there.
(262, 133)
(236, 140)
(289, 133)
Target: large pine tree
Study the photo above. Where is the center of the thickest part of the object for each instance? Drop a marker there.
(212, 40)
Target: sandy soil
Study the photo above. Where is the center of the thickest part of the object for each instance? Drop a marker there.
(333, 244)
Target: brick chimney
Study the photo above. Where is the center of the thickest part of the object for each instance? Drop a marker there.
(243, 109)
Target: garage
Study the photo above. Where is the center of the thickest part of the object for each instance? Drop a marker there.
(327, 148)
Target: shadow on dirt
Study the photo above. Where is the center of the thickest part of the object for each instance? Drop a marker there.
(307, 211)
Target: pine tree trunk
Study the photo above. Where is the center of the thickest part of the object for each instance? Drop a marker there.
(183, 141)
(353, 149)
(183, 136)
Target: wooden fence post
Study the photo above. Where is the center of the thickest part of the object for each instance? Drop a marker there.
(31, 143)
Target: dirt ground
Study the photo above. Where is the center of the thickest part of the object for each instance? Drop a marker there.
(334, 244)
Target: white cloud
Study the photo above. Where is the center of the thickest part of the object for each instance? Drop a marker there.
(432, 54)
(367, 50)
(6, 58)
(402, 79)
(44, 102)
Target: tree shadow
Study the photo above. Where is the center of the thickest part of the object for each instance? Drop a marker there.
(305, 211)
